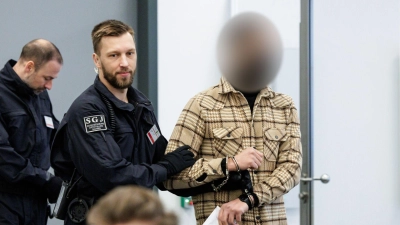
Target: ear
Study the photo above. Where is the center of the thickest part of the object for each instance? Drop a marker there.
(96, 60)
(29, 67)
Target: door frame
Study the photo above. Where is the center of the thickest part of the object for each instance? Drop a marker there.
(306, 188)
(147, 48)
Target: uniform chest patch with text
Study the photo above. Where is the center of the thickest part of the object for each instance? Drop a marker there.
(95, 123)
(153, 134)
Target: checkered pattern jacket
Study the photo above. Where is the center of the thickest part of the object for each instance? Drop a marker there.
(217, 123)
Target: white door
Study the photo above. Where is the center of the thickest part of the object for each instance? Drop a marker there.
(355, 98)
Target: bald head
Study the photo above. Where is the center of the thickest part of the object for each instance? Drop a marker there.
(39, 64)
(249, 52)
(40, 51)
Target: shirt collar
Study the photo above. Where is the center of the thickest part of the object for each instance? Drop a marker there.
(100, 87)
(225, 87)
(135, 97)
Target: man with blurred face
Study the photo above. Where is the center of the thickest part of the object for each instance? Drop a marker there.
(27, 126)
(110, 136)
(245, 137)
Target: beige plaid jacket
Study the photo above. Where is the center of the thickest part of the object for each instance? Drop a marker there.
(218, 122)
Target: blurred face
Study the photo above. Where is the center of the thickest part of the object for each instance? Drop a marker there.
(42, 79)
(250, 56)
(117, 60)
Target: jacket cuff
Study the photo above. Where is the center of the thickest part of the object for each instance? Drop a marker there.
(214, 168)
(161, 174)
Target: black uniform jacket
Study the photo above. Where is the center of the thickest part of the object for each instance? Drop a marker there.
(108, 155)
(27, 125)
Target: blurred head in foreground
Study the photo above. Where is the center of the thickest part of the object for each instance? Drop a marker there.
(130, 205)
(249, 52)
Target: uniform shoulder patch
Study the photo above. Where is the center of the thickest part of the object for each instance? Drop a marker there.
(95, 123)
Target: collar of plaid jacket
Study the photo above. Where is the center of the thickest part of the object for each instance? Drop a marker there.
(225, 87)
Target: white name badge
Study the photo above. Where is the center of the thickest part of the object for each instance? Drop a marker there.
(49, 122)
(153, 134)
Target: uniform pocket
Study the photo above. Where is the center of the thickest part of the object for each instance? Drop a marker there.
(272, 139)
(227, 141)
(123, 134)
(125, 139)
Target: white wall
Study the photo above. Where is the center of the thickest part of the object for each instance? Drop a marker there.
(187, 35)
(356, 102)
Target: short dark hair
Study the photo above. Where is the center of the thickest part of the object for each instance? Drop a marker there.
(128, 203)
(109, 28)
(40, 51)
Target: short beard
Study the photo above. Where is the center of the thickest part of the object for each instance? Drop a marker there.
(38, 91)
(112, 79)
(28, 82)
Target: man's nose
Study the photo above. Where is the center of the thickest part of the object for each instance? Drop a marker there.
(49, 85)
(124, 61)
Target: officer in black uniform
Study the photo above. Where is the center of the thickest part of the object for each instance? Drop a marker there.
(110, 135)
(27, 125)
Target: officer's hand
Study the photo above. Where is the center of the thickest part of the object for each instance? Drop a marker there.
(52, 188)
(231, 212)
(177, 160)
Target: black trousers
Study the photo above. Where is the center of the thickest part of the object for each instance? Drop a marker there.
(22, 210)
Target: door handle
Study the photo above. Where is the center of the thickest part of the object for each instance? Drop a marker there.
(324, 179)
